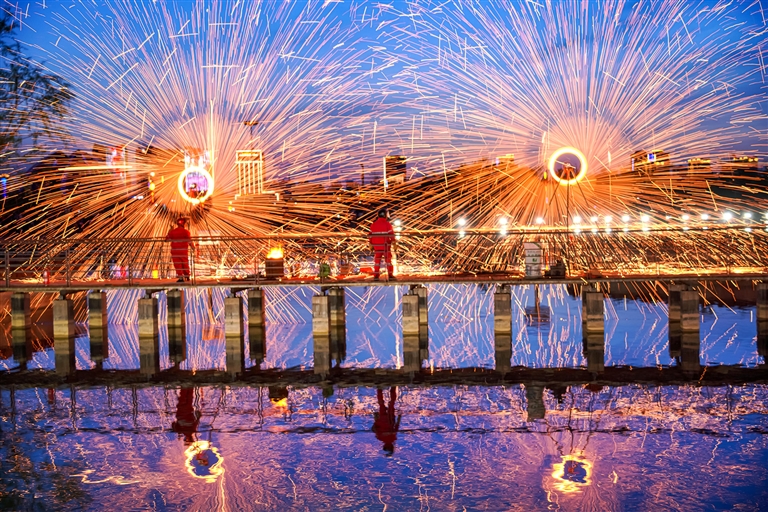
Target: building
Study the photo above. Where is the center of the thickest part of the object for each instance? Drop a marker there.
(741, 165)
(250, 171)
(649, 162)
(699, 164)
(394, 170)
(505, 161)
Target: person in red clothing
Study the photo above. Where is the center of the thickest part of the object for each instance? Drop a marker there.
(181, 240)
(187, 418)
(382, 236)
(385, 423)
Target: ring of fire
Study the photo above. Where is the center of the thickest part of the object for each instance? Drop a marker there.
(568, 150)
(182, 188)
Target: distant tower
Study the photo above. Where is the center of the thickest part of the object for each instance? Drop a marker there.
(394, 169)
(250, 171)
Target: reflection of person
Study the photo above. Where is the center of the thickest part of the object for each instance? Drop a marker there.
(382, 235)
(385, 424)
(187, 418)
(181, 240)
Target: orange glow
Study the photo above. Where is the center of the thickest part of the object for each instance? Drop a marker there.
(183, 192)
(204, 461)
(572, 474)
(275, 253)
(568, 150)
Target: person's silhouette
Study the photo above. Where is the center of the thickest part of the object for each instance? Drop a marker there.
(187, 418)
(386, 424)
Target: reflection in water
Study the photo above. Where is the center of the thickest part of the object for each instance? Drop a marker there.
(567, 422)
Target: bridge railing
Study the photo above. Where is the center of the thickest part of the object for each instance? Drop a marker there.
(639, 252)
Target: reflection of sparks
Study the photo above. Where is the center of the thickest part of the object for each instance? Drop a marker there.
(572, 474)
(204, 461)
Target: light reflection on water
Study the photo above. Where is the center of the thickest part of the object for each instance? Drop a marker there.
(240, 447)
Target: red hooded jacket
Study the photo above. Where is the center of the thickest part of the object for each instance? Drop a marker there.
(382, 235)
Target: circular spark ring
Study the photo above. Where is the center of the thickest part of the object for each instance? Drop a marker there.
(208, 178)
(568, 150)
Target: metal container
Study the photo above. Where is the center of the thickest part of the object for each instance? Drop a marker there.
(273, 268)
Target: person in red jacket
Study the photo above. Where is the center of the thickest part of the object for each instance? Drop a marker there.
(181, 240)
(382, 236)
(386, 423)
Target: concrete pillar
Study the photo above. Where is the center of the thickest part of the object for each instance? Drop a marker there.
(64, 351)
(595, 317)
(675, 340)
(502, 344)
(321, 344)
(149, 354)
(594, 348)
(149, 346)
(502, 311)
(534, 395)
(98, 327)
(587, 288)
(175, 305)
(762, 302)
(338, 344)
(321, 315)
(256, 308)
(421, 292)
(235, 358)
(148, 318)
(233, 316)
(410, 305)
(21, 346)
(689, 311)
(674, 301)
(20, 311)
(177, 344)
(762, 340)
(63, 319)
(690, 347)
(336, 299)
(411, 354)
(257, 334)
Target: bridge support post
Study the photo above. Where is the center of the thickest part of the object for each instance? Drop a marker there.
(98, 327)
(689, 311)
(233, 316)
(762, 340)
(20, 311)
(336, 307)
(415, 349)
(149, 349)
(594, 307)
(674, 301)
(594, 351)
(21, 347)
(257, 335)
(176, 317)
(502, 311)
(690, 345)
(534, 395)
(502, 345)
(410, 306)
(64, 336)
(762, 302)
(321, 315)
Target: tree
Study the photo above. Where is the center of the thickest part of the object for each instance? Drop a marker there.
(32, 99)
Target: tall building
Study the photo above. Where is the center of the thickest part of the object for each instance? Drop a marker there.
(250, 171)
(394, 170)
(740, 165)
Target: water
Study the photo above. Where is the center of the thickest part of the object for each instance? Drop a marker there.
(372, 437)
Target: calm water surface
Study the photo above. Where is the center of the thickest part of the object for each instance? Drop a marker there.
(415, 444)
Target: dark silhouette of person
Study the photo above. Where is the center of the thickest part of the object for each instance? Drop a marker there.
(187, 418)
(181, 240)
(385, 423)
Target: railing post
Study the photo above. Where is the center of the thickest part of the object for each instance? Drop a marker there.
(66, 266)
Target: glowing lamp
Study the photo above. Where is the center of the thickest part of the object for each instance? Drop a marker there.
(577, 220)
(625, 218)
(704, 216)
(462, 221)
(539, 220)
(593, 218)
(645, 218)
(727, 216)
